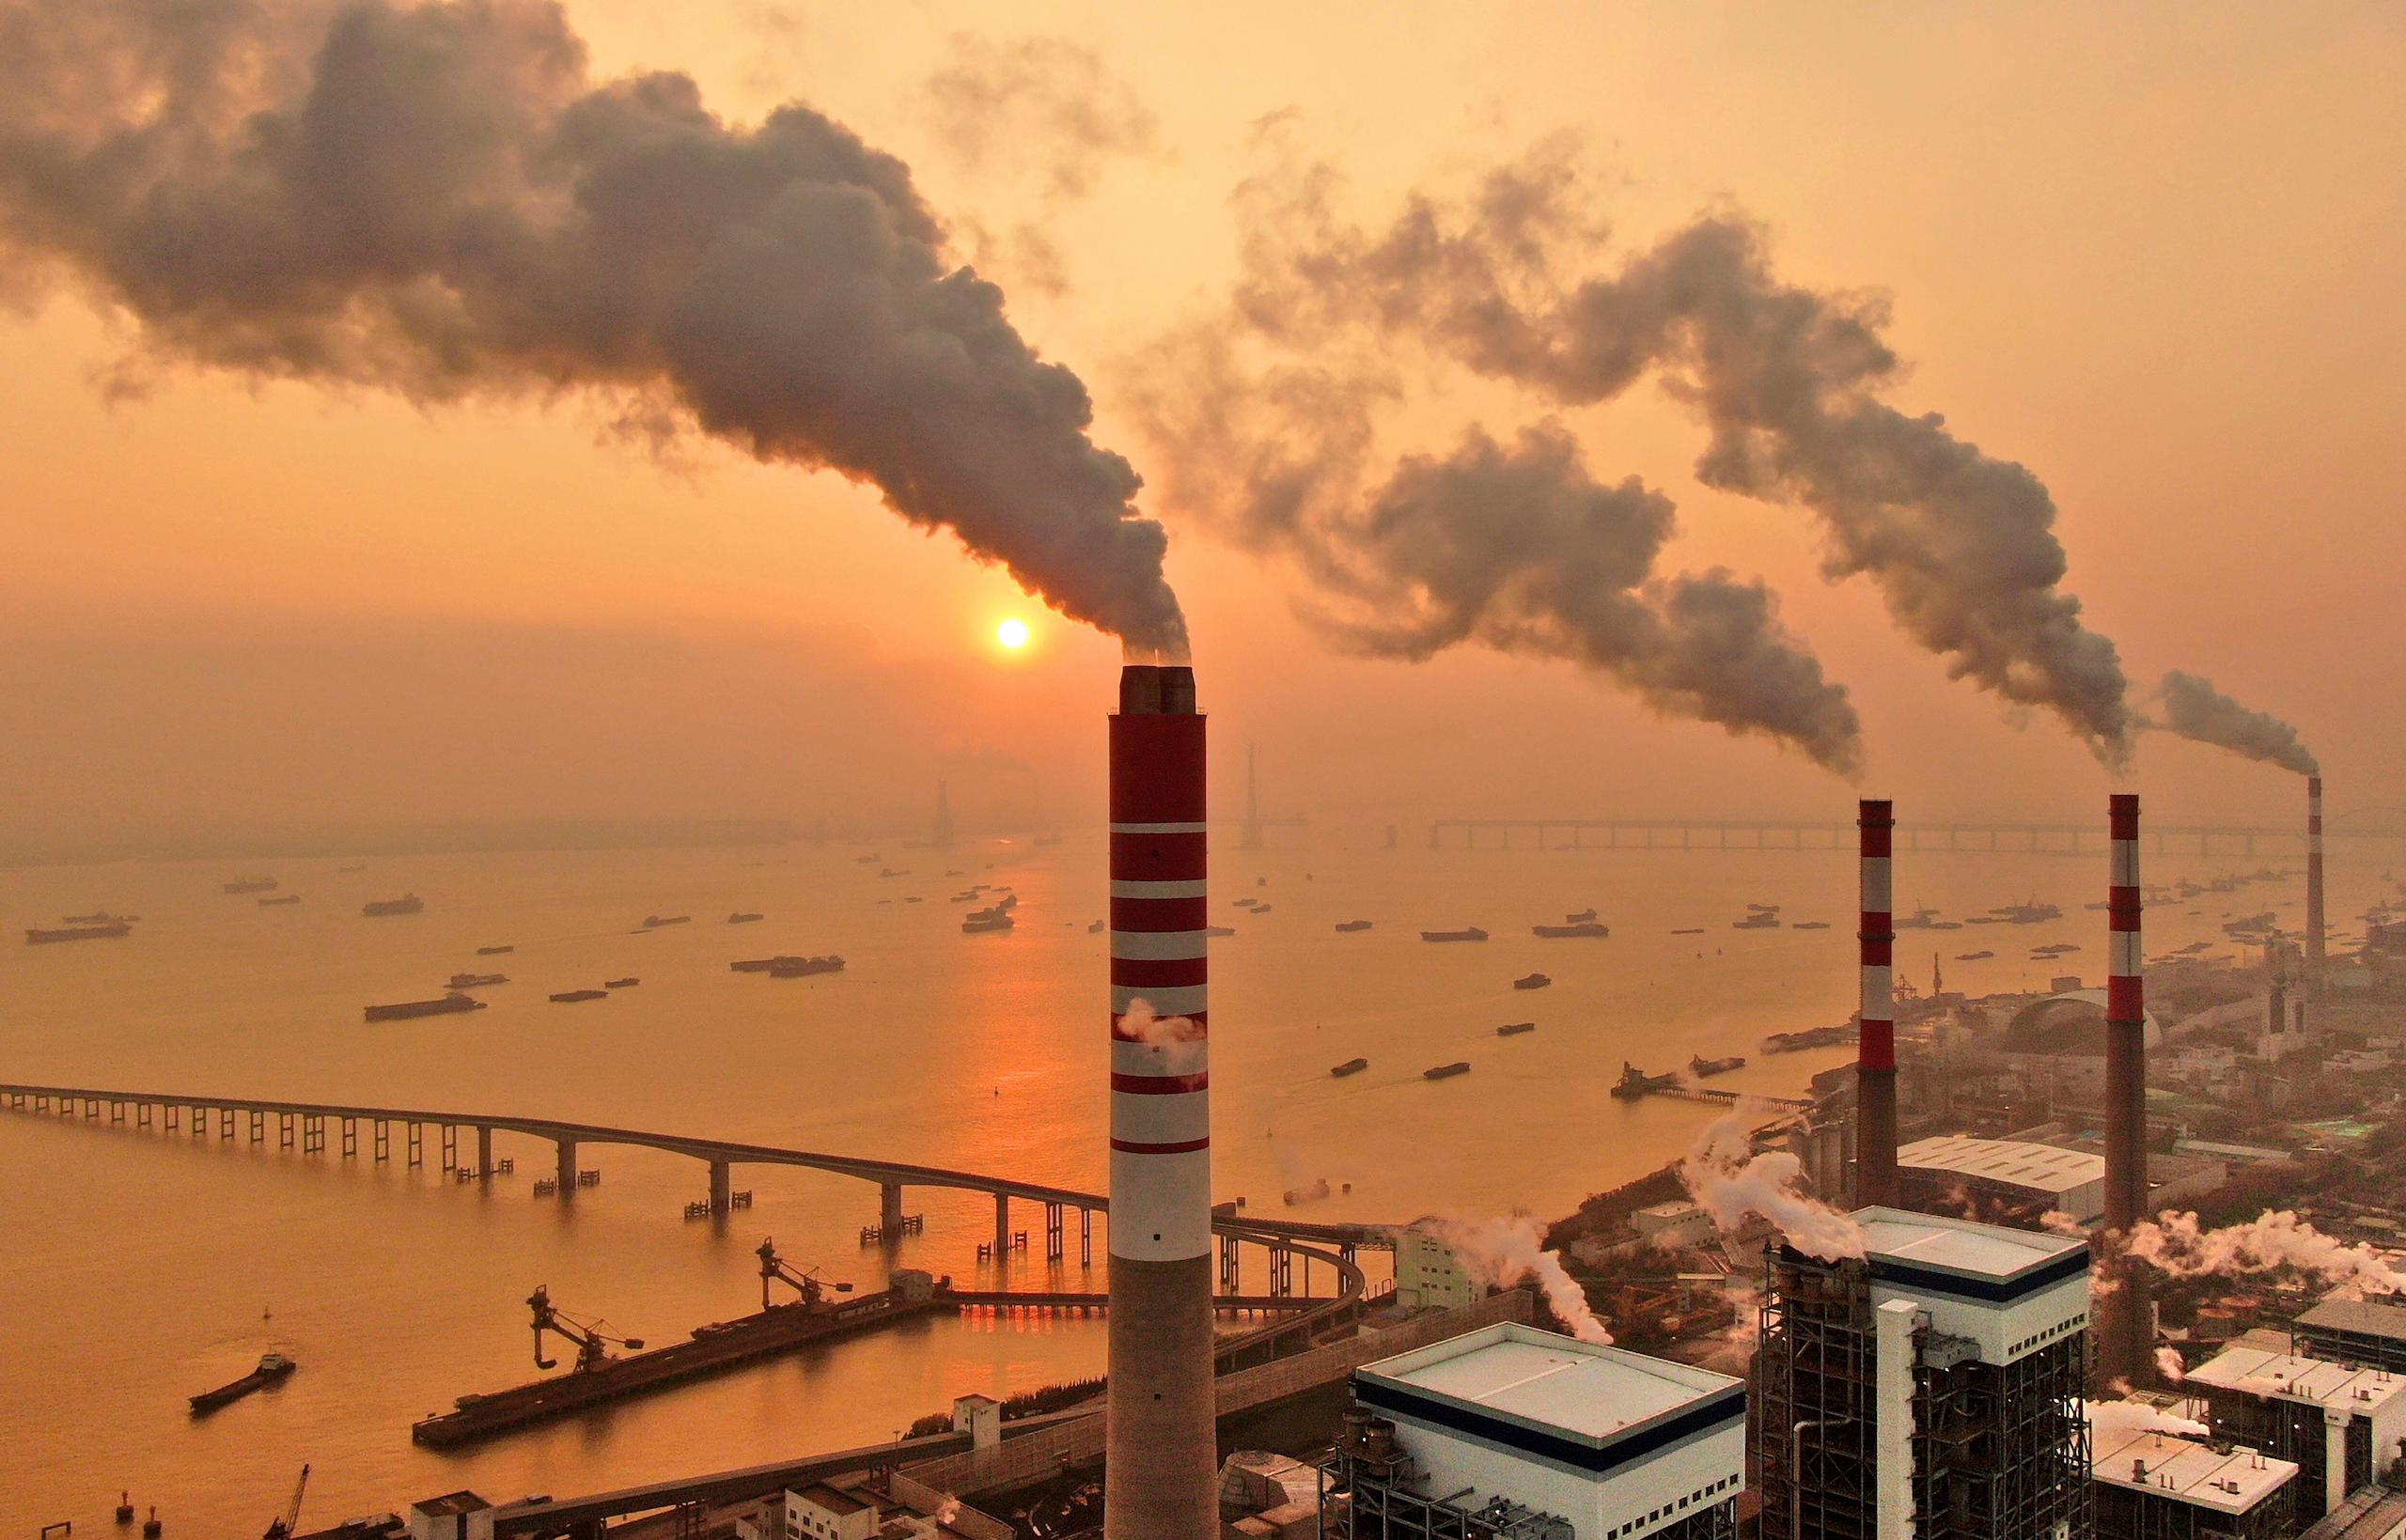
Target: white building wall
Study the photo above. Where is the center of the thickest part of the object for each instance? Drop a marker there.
(1602, 1508)
(1891, 1398)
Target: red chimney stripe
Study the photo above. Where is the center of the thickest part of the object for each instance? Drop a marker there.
(1160, 913)
(2125, 998)
(1159, 1086)
(1160, 858)
(1878, 951)
(1879, 922)
(1130, 1146)
(1160, 972)
(1877, 1048)
(1156, 769)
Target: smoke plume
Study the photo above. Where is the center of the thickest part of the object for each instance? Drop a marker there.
(1786, 379)
(1501, 1253)
(1732, 1182)
(2132, 1415)
(439, 200)
(1047, 96)
(2177, 1245)
(1512, 546)
(2194, 709)
(2169, 1363)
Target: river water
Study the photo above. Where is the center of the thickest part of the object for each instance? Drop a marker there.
(138, 1267)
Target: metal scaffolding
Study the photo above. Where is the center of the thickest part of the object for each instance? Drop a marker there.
(1998, 1451)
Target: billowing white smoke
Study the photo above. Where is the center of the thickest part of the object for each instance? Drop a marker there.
(1502, 1253)
(2194, 709)
(2168, 1364)
(1732, 1183)
(2177, 1245)
(1507, 282)
(2105, 1416)
(438, 199)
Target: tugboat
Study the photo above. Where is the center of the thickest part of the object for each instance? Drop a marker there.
(408, 903)
(627, 982)
(1447, 1072)
(1347, 928)
(1469, 933)
(1351, 1067)
(274, 1368)
(1585, 917)
(1574, 929)
(1701, 1067)
(741, 918)
(1531, 981)
(450, 1004)
(1514, 1029)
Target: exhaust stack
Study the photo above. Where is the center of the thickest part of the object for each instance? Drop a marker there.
(2313, 936)
(1160, 1445)
(2128, 1311)
(1875, 1061)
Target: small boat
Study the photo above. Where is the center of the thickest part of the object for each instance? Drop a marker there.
(1587, 929)
(1514, 1029)
(286, 898)
(1810, 924)
(863, 861)
(250, 884)
(653, 922)
(274, 1368)
(449, 1005)
(741, 918)
(1918, 920)
(1347, 928)
(1470, 933)
(1351, 1067)
(986, 920)
(1585, 917)
(1095, 929)
(1757, 921)
(103, 918)
(408, 903)
(627, 982)
(476, 981)
(1701, 1067)
(1308, 1194)
(1219, 930)
(804, 967)
(1689, 930)
(1973, 956)
(1635, 1082)
(494, 951)
(569, 997)
(891, 871)
(1262, 909)
(1531, 981)
(78, 933)
(1763, 908)
(1447, 1072)
(1244, 903)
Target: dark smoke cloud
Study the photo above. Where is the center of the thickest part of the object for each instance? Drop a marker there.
(1507, 282)
(1511, 546)
(439, 200)
(2193, 708)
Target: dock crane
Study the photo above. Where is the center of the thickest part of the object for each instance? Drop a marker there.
(283, 1528)
(807, 1282)
(592, 1344)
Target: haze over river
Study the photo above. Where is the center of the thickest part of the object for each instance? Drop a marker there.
(138, 1268)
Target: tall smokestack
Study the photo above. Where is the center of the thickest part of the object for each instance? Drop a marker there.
(1875, 1061)
(2314, 888)
(1161, 1443)
(2124, 1329)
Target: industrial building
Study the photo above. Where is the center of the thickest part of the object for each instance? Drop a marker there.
(2152, 1486)
(1930, 1388)
(1511, 1432)
(2371, 1332)
(2016, 1170)
(2340, 1425)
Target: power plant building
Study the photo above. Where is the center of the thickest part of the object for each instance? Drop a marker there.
(2070, 1181)
(2154, 1485)
(1509, 1433)
(1931, 1388)
(2340, 1425)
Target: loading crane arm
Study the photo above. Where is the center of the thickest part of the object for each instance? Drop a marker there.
(593, 1345)
(283, 1527)
(807, 1282)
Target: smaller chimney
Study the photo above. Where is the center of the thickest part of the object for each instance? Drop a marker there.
(1875, 1062)
(2314, 927)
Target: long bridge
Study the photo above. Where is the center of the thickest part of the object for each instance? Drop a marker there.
(2018, 836)
(1293, 1246)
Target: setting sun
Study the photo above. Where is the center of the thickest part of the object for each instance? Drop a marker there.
(1012, 634)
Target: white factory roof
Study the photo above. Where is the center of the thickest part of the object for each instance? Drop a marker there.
(2292, 1376)
(1964, 1246)
(1548, 1380)
(2041, 1167)
(2231, 1483)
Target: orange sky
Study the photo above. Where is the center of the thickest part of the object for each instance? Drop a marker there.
(2152, 252)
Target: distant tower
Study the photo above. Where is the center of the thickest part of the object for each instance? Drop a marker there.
(2315, 931)
(944, 816)
(1251, 838)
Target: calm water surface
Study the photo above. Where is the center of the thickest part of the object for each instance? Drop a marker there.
(138, 1267)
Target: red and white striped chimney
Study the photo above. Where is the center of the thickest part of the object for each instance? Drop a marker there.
(1161, 1444)
(1875, 1059)
(2124, 1337)
(2314, 937)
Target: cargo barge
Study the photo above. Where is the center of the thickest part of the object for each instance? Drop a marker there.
(1471, 933)
(713, 1349)
(449, 1005)
(274, 1368)
(408, 903)
(78, 933)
